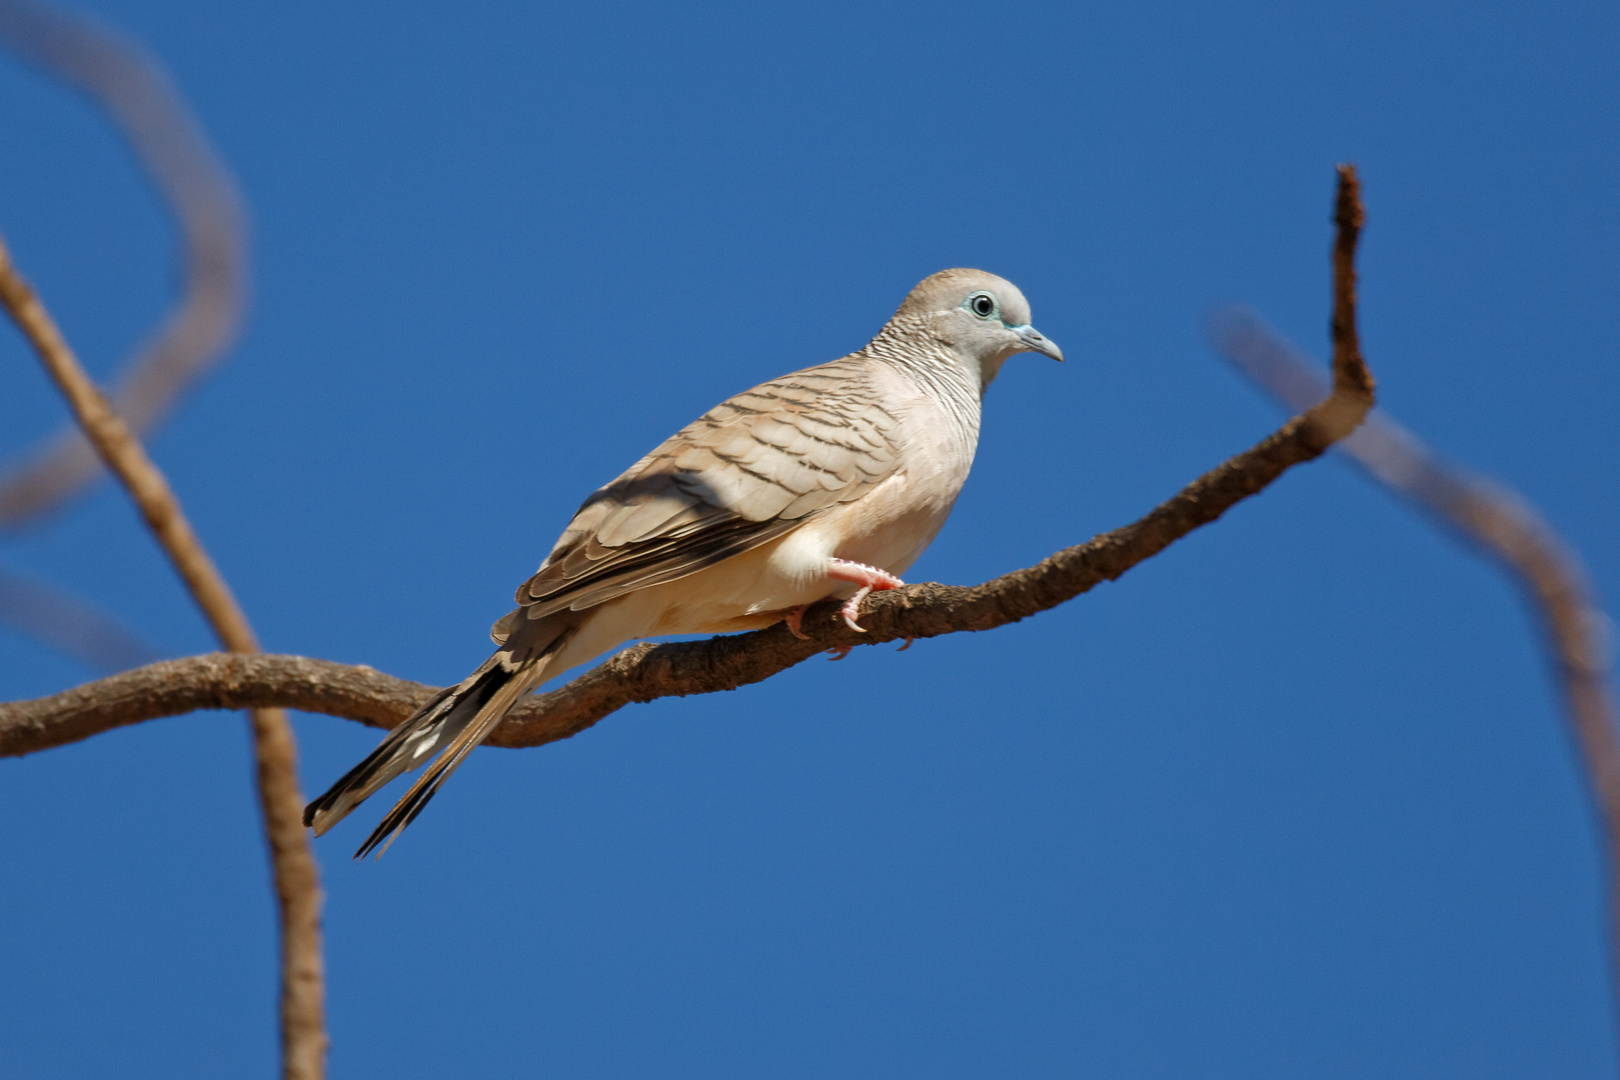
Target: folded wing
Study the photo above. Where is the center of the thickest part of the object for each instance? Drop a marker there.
(749, 470)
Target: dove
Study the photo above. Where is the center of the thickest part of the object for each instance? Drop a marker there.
(825, 483)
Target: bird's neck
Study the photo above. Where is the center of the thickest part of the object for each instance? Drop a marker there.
(939, 371)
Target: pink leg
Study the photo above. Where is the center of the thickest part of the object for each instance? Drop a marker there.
(794, 618)
(867, 577)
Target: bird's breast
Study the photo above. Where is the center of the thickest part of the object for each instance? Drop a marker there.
(888, 527)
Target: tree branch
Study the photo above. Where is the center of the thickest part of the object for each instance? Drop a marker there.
(296, 879)
(1503, 525)
(200, 192)
(646, 672)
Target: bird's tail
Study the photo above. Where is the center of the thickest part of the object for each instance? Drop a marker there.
(453, 723)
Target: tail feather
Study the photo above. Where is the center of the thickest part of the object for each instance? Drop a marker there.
(502, 694)
(401, 750)
(452, 723)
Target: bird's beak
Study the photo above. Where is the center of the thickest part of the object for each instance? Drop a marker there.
(1032, 340)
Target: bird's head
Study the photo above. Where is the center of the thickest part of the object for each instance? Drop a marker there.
(982, 318)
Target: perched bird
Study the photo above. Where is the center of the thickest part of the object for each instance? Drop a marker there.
(826, 482)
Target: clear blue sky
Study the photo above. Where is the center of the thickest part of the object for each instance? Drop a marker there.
(1291, 800)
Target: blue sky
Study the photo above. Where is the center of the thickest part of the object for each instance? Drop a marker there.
(1292, 799)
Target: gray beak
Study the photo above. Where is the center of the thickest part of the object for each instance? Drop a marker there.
(1033, 340)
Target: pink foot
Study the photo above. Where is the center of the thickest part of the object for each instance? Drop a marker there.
(793, 620)
(869, 578)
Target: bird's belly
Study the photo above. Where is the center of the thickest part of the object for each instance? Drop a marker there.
(888, 529)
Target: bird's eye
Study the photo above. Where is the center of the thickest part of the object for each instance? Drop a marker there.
(983, 305)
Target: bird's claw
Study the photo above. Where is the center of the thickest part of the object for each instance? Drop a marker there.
(868, 578)
(852, 608)
(793, 620)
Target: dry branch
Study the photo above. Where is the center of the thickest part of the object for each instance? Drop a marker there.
(293, 865)
(169, 144)
(646, 672)
(1503, 525)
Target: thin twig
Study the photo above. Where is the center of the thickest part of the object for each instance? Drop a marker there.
(70, 625)
(1503, 525)
(197, 188)
(297, 884)
(644, 673)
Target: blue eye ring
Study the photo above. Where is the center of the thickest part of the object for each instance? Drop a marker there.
(981, 304)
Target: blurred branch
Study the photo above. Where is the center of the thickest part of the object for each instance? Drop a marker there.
(133, 88)
(69, 625)
(297, 886)
(1501, 524)
(646, 672)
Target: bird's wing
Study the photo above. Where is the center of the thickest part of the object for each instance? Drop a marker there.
(751, 469)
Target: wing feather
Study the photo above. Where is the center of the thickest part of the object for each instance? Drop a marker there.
(749, 470)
